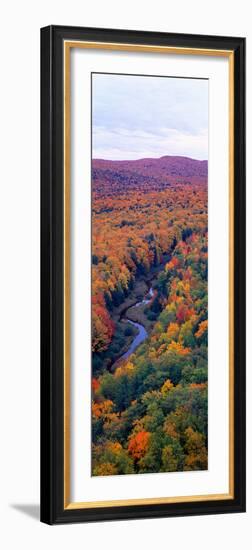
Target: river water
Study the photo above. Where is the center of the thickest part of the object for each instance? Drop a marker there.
(142, 332)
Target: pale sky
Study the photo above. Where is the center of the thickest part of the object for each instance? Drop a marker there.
(139, 116)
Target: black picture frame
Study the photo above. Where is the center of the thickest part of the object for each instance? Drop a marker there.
(52, 302)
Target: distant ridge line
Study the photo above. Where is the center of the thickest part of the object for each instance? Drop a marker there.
(165, 166)
(178, 157)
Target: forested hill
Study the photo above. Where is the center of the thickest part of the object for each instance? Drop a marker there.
(148, 172)
(168, 165)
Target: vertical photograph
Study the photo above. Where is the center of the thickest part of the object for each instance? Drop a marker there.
(149, 274)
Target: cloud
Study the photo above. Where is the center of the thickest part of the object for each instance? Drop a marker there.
(126, 145)
(136, 117)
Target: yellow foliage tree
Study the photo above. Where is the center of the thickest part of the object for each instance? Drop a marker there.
(177, 347)
(202, 328)
(167, 386)
(102, 409)
(173, 331)
(124, 369)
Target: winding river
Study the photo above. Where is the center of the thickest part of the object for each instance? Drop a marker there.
(142, 332)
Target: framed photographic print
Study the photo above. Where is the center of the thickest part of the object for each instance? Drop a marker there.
(142, 274)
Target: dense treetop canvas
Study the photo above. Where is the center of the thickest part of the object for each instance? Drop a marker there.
(149, 274)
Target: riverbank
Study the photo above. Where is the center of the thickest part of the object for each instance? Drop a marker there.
(139, 291)
(136, 295)
(131, 322)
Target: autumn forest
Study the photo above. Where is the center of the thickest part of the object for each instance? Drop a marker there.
(149, 315)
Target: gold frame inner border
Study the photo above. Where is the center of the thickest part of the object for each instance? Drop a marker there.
(68, 45)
